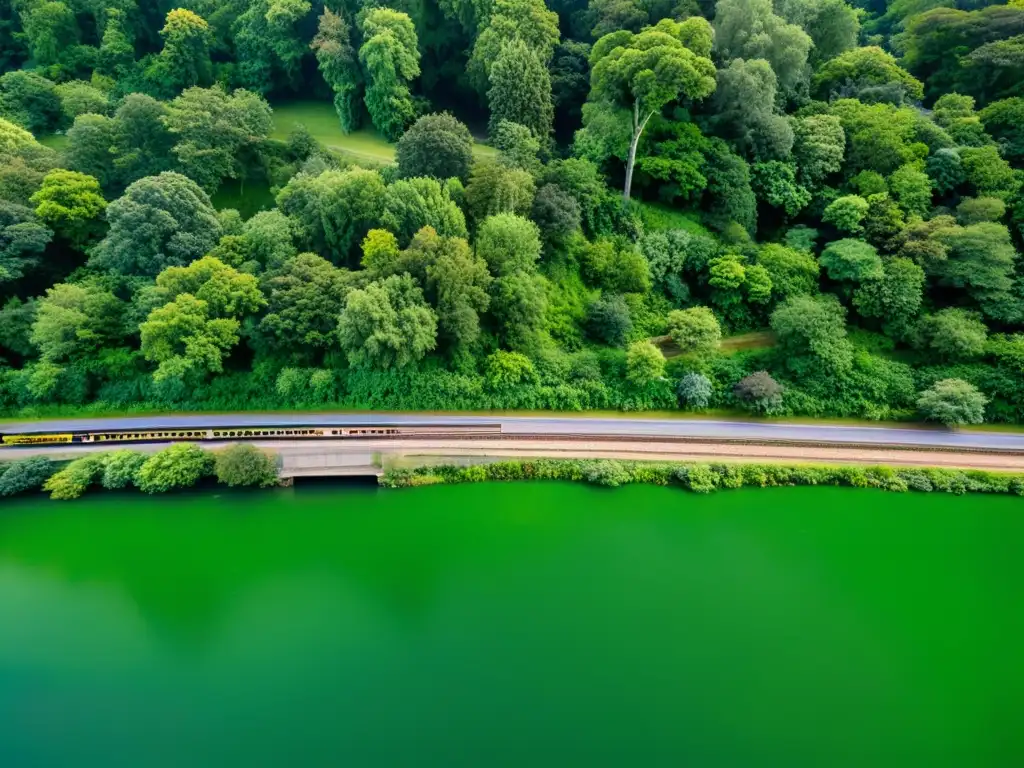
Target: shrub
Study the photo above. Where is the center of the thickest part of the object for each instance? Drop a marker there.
(24, 475)
(759, 392)
(694, 391)
(245, 465)
(75, 479)
(953, 402)
(179, 466)
(610, 474)
(121, 469)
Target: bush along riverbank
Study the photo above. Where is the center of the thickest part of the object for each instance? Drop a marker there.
(184, 466)
(705, 478)
(177, 467)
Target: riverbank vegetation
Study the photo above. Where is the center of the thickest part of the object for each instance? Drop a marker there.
(177, 467)
(185, 465)
(847, 183)
(705, 478)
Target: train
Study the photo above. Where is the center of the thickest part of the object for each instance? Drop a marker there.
(248, 432)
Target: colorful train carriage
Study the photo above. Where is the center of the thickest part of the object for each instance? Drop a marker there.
(249, 432)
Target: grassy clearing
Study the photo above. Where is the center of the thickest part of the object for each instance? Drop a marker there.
(54, 141)
(658, 216)
(730, 345)
(248, 200)
(322, 121)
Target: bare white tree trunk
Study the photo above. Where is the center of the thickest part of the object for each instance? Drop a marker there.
(638, 129)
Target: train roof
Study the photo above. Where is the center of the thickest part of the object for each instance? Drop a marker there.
(229, 425)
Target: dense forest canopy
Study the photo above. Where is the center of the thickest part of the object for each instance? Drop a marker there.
(790, 207)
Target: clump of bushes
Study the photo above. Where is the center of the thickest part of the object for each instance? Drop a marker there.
(174, 468)
(245, 465)
(179, 466)
(24, 475)
(705, 478)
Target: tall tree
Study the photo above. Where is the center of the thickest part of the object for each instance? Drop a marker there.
(161, 221)
(391, 56)
(528, 21)
(185, 59)
(521, 90)
(645, 72)
(339, 66)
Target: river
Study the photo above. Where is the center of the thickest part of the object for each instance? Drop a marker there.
(512, 625)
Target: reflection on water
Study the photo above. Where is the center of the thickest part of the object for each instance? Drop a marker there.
(541, 624)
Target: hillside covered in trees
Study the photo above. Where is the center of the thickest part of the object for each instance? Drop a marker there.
(845, 180)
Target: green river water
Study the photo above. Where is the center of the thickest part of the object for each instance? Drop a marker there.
(513, 625)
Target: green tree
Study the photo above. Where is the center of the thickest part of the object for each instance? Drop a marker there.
(185, 59)
(80, 98)
(895, 298)
(179, 466)
(121, 469)
(879, 137)
(745, 112)
(811, 332)
(30, 101)
(987, 173)
(694, 391)
(527, 21)
(334, 211)
(436, 145)
(819, 145)
(517, 146)
(644, 364)
(22, 241)
(72, 205)
(975, 210)
(142, 142)
(495, 188)
(785, 46)
(161, 221)
(508, 243)
(695, 330)
(24, 475)
(912, 189)
(953, 334)
(391, 57)
(411, 204)
(50, 28)
(117, 47)
(847, 213)
(305, 296)
(643, 73)
(245, 465)
(946, 170)
(339, 65)
(458, 285)
(215, 132)
(269, 238)
(520, 90)
(952, 402)
(609, 320)
(1004, 121)
(792, 272)
(556, 213)
(387, 324)
(868, 74)
(852, 260)
(186, 340)
(226, 291)
(775, 183)
(518, 304)
(730, 197)
(759, 392)
(74, 322)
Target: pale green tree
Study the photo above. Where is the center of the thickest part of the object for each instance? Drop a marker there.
(387, 324)
(391, 56)
(645, 72)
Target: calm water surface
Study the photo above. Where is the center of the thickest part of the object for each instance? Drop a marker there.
(513, 625)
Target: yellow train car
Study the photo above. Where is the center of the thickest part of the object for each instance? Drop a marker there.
(37, 439)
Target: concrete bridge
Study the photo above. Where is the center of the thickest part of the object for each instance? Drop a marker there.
(329, 464)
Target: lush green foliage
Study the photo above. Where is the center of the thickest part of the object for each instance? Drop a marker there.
(849, 177)
(245, 465)
(705, 478)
